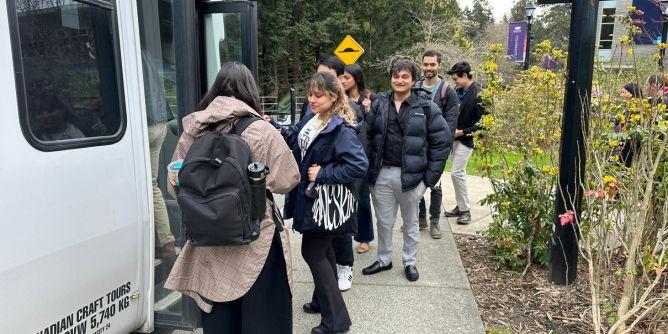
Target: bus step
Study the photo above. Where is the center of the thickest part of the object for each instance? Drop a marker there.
(168, 301)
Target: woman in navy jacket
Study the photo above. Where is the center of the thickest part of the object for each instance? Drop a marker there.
(327, 150)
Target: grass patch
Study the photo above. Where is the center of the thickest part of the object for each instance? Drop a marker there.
(474, 166)
(495, 330)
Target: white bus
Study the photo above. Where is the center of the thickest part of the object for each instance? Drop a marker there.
(81, 81)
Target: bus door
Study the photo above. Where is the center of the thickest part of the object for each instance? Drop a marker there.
(183, 44)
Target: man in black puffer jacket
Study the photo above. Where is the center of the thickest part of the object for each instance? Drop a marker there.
(409, 142)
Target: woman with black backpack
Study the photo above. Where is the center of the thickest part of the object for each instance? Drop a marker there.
(240, 288)
(331, 161)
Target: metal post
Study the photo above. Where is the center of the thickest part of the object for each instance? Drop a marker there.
(664, 32)
(527, 56)
(564, 241)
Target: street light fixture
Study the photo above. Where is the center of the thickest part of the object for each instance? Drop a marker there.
(529, 10)
(664, 30)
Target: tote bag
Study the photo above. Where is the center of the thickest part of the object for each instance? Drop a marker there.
(334, 211)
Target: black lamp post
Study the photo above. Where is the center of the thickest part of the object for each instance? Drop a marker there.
(664, 30)
(529, 10)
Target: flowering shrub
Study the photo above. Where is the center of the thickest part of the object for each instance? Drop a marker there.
(523, 120)
(623, 222)
(624, 218)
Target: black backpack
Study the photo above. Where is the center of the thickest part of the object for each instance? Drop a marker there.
(214, 189)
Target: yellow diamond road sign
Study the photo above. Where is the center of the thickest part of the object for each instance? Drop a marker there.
(348, 51)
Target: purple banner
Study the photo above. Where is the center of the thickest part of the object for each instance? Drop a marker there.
(517, 41)
(651, 21)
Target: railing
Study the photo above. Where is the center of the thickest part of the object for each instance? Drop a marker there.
(269, 104)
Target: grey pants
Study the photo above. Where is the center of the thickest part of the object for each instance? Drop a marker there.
(460, 157)
(156, 135)
(387, 198)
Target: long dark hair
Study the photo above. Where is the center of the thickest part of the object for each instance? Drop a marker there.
(356, 71)
(329, 84)
(233, 80)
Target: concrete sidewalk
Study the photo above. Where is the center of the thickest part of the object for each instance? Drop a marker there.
(481, 216)
(441, 301)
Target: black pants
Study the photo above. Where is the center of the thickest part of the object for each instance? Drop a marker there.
(343, 250)
(364, 221)
(434, 205)
(266, 308)
(318, 253)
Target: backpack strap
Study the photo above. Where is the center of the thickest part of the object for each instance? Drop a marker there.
(241, 125)
(444, 88)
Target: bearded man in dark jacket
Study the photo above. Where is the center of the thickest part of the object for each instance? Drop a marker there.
(408, 144)
(445, 97)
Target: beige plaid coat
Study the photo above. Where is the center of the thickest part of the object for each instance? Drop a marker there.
(226, 273)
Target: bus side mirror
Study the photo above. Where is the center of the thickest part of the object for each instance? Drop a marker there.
(286, 106)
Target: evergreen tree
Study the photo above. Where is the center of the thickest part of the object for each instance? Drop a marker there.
(517, 13)
(479, 17)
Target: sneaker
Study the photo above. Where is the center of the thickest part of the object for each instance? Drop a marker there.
(423, 223)
(464, 218)
(435, 229)
(454, 213)
(345, 278)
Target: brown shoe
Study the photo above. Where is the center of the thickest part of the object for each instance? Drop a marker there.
(362, 248)
(435, 229)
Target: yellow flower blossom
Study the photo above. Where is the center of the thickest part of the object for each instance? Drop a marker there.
(631, 8)
(629, 52)
(613, 143)
(608, 179)
(656, 56)
(661, 46)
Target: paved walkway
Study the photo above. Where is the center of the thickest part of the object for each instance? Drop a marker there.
(441, 301)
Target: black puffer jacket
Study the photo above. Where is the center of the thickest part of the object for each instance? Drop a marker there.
(427, 140)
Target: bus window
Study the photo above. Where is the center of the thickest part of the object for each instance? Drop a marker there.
(66, 65)
(222, 38)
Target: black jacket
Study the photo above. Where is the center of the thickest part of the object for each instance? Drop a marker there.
(470, 113)
(338, 152)
(448, 102)
(360, 115)
(427, 140)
